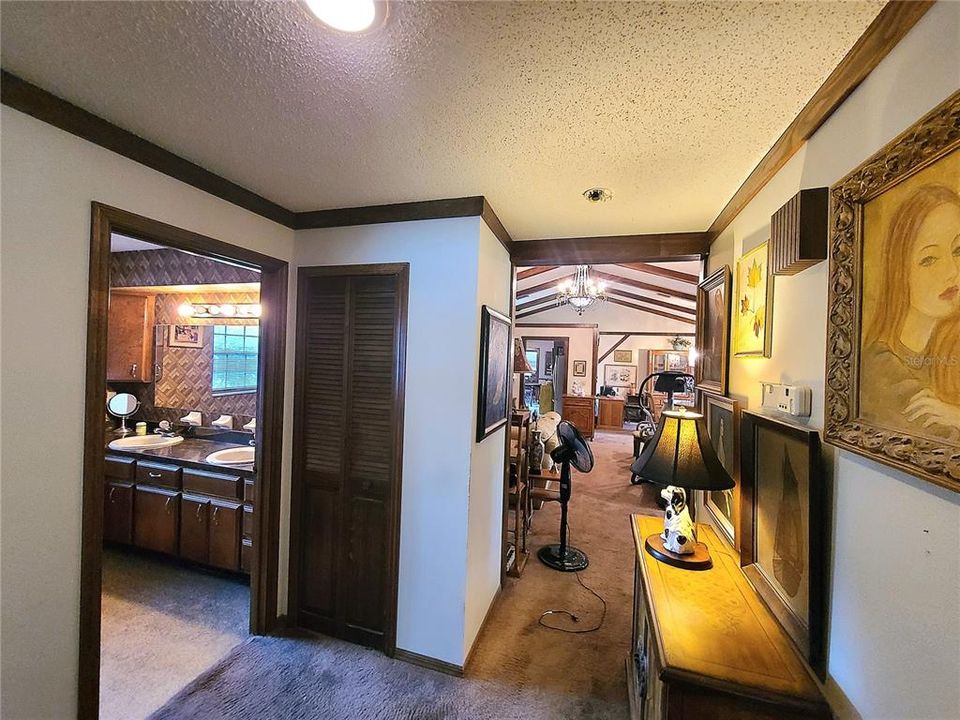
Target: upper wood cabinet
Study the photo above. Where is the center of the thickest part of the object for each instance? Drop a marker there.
(130, 338)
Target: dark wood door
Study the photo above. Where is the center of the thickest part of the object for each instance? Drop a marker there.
(225, 521)
(195, 528)
(349, 398)
(118, 512)
(156, 521)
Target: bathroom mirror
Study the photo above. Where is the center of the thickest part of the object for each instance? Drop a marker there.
(123, 405)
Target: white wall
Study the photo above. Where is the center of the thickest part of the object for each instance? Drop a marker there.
(485, 511)
(581, 348)
(439, 421)
(49, 179)
(894, 646)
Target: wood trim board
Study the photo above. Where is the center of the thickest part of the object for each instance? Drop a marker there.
(611, 249)
(264, 575)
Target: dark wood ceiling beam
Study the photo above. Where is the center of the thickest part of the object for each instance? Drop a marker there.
(646, 333)
(651, 301)
(661, 272)
(640, 285)
(611, 249)
(617, 344)
(651, 311)
(881, 36)
(550, 284)
(534, 271)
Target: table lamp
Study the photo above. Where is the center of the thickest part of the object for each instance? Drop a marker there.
(680, 456)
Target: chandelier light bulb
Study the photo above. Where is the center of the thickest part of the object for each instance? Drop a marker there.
(349, 16)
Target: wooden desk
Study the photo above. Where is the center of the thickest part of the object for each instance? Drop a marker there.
(579, 411)
(610, 416)
(705, 646)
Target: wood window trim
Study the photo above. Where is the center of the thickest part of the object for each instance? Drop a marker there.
(273, 296)
(305, 273)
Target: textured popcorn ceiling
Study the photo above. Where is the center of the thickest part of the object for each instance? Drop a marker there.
(670, 105)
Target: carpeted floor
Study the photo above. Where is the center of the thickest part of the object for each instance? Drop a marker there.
(518, 670)
(162, 625)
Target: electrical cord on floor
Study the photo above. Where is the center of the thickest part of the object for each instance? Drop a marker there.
(574, 618)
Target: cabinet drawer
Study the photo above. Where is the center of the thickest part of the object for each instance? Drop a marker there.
(119, 468)
(209, 483)
(151, 473)
(248, 490)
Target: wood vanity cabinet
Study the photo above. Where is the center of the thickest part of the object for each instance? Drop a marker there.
(130, 338)
(156, 519)
(211, 518)
(579, 411)
(195, 528)
(118, 499)
(225, 521)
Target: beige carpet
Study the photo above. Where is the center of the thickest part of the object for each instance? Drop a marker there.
(519, 669)
(162, 625)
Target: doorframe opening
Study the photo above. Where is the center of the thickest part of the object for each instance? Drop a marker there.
(264, 586)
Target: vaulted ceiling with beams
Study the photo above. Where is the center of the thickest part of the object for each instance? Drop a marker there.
(658, 290)
(670, 105)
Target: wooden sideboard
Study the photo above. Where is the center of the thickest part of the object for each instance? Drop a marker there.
(705, 647)
(610, 416)
(579, 411)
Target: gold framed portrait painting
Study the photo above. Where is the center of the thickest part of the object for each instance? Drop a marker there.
(893, 346)
(753, 305)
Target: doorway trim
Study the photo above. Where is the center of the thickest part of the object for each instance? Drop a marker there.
(266, 532)
(402, 271)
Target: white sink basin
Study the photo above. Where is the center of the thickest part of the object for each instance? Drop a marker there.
(232, 456)
(144, 442)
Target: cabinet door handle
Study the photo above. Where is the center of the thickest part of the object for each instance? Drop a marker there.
(199, 510)
(155, 474)
(113, 491)
(216, 520)
(166, 505)
(133, 369)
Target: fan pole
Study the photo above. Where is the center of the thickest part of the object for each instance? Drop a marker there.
(564, 500)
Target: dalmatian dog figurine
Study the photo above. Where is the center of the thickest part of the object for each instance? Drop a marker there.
(679, 534)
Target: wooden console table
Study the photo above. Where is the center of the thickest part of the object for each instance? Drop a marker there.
(705, 647)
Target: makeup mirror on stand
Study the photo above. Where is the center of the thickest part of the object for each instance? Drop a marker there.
(123, 405)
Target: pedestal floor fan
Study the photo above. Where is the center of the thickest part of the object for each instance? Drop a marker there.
(572, 450)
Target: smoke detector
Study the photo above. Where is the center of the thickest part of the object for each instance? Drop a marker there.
(597, 195)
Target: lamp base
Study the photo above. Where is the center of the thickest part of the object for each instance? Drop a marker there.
(699, 559)
(572, 560)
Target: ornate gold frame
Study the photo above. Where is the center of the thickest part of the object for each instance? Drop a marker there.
(930, 139)
(722, 277)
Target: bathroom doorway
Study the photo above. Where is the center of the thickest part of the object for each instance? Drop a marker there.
(186, 337)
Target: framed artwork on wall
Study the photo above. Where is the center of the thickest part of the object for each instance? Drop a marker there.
(579, 368)
(713, 331)
(186, 336)
(753, 305)
(893, 320)
(492, 397)
(722, 418)
(623, 356)
(619, 375)
(783, 527)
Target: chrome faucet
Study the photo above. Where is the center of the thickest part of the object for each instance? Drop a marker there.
(165, 428)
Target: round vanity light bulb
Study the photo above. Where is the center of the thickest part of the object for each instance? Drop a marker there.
(228, 310)
(185, 310)
(256, 310)
(213, 310)
(345, 15)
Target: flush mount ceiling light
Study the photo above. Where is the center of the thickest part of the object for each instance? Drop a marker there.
(349, 16)
(597, 195)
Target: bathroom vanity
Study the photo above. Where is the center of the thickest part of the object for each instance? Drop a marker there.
(171, 500)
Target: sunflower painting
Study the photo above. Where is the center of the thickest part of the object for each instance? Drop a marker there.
(754, 305)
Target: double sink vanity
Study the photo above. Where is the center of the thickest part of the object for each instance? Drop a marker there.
(188, 497)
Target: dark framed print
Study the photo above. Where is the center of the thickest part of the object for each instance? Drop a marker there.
(893, 320)
(623, 356)
(620, 375)
(713, 331)
(579, 368)
(492, 397)
(783, 525)
(722, 418)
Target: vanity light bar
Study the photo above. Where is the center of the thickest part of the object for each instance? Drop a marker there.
(227, 310)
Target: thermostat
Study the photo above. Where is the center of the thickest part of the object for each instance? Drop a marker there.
(789, 399)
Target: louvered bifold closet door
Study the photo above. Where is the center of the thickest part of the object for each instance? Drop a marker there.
(351, 374)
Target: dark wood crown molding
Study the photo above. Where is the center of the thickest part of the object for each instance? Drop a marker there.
(42, 105)
(881, 36)
(394, 212)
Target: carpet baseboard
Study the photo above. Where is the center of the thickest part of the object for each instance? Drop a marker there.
(428, 662)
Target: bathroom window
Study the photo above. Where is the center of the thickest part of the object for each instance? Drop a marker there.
(235, 352)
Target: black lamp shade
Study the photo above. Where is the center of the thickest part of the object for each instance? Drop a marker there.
(680, 454)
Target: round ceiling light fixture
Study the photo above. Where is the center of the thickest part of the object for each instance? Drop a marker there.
(349, 16)
(597, 195)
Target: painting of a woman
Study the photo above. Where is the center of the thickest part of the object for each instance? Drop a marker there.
(910, 359)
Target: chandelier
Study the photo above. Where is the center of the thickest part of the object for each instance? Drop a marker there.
(581, 292)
